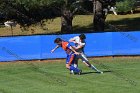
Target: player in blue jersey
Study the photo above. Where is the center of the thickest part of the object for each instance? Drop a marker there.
(71, 54)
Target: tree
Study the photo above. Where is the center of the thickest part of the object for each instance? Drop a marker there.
(26, 12)
(67, 9)
(66, 19)
(99, 14)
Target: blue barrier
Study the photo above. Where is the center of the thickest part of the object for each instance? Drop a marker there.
(98, 44)
(20, 48)
(126, 43)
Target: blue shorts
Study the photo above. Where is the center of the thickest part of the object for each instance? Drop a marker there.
(70, 59)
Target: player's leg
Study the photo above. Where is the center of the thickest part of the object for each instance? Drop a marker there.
(70, 64)
(76, 61)
(86, 62)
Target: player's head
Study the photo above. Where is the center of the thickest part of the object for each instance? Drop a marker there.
(82, 36)
(58, 41)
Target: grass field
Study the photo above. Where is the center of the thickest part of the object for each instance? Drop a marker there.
(81, 23)
(121, 75)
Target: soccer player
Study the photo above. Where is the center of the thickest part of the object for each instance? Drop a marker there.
(71, 54)
(79, 47)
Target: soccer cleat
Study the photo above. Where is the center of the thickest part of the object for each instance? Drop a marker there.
(72, 72)
(100, 72)
(80, 72)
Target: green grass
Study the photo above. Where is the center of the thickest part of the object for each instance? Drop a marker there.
(125, 22)
(81, 23)
(53, 77)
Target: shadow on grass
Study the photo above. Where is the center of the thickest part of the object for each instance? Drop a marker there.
(84, 73)
(84, 29)
(124, 25)
(127, 24)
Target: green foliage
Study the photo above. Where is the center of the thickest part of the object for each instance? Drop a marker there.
(125, 5)
(27, 12)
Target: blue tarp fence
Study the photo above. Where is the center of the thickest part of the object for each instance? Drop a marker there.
(97, 44)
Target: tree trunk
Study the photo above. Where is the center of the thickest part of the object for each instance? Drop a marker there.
(99, 16)
(66, 21)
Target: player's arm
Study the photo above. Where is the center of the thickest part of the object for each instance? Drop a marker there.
(72, 40)
(80, 45)
(74, 47)
(77, 53)
(54, 49)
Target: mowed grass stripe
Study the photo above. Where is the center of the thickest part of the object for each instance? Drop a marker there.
(55, 78)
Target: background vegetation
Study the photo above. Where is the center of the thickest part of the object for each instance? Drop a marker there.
(45, 16)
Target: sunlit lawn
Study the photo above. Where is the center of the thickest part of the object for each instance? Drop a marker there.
(121, 75)
(81, 23)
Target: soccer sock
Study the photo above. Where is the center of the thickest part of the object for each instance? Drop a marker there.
(74, 69)
(75, 65)
(94, 68)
